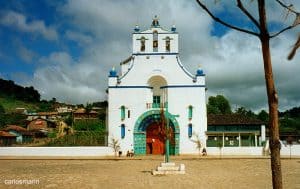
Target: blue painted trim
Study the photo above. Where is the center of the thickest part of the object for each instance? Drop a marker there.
(181, 86)
(200, 75)
(143, 54)
(128, 87)
(113, 76)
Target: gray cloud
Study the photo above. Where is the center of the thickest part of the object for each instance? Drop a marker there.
(233, 62)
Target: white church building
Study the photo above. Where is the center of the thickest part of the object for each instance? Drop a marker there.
(151, 79)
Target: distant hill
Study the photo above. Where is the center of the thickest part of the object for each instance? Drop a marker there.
(27, 94)
(14, 96)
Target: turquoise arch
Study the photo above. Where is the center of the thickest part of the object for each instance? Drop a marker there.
(148, 117)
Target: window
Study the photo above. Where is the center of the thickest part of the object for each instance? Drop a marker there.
(128, 113)
(155, 41)
(156, 99)
(143, 40)
(156, 102)
(168, 44)
(122, 112)
(190, 130)
(122, 131)
(190, 112)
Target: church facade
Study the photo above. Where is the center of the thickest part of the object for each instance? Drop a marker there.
(151, 81)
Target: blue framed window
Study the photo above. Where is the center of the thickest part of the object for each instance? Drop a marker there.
(190, 112)
(122, 131)
(122, 112)
(190, 130)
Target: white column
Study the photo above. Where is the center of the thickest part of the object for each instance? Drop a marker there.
(223, 140)
(239, 139)
(255, 140)
(263, 133)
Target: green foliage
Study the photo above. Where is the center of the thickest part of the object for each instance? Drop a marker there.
(2, 110)
(46, 106)
(89, 125)
(10, 104)
(102, 104)
(69, 119)
(81, 138)
(13, 119)
(243, 111)
(102, 115)
(2, 116)
(263, 115)
(218, 105)
(10, 89)
(51, 135)
(288, 124)
(88, 107)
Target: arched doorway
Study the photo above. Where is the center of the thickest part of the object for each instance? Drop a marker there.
(155, 142)
(147, 139)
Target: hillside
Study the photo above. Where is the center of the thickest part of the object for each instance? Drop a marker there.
(10, 104)
(8, 88)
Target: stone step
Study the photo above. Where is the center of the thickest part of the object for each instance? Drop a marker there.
(171, 164)
(155, 172)
(168, 168)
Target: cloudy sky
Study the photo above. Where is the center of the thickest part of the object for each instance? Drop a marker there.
(66, 48)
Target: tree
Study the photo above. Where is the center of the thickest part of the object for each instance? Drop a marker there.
(263, 116)
(88, 107)
(261, 31)
(115, 145)
(243, 111)
(218, 105)
(198, 142)
(2, 116)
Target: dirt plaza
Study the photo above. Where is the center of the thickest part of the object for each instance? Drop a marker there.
(209, 172)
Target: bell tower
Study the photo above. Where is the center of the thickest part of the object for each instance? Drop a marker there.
(155, 40)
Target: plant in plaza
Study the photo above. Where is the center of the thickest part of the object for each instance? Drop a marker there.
(115, 145)
(196, 139)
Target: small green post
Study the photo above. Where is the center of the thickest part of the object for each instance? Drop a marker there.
(167, 143)
(167, 157)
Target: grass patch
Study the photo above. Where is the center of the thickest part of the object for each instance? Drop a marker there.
(10, 104)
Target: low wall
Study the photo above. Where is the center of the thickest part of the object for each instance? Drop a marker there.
(252, 151)
(242, 151)
(95, 151)
(56, 151)
(285, 150)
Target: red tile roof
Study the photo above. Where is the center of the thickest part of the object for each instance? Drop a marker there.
(15, 128)
(6, 134)
(80, 111)
(37, 124)
(47, 113)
